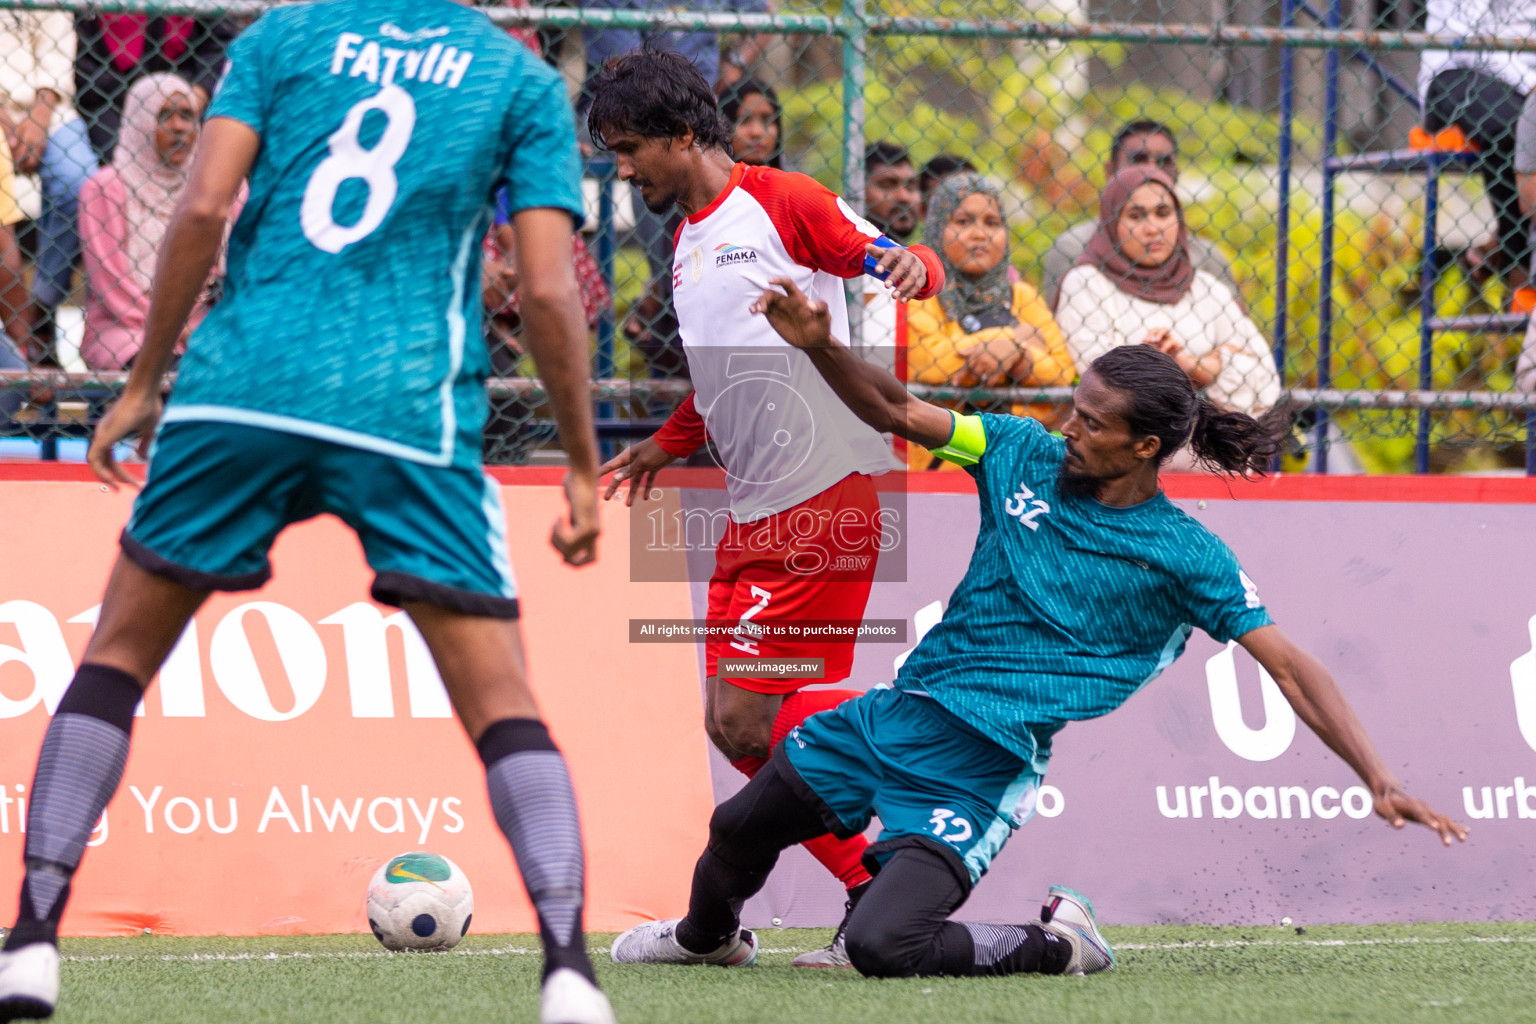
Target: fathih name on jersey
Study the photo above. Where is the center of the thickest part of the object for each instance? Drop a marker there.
(437, 64)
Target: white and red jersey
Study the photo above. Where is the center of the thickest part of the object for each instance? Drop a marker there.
(782, 432)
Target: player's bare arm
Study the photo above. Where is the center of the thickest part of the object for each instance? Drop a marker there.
(873, 394)
(192, 241)
(1311, 690)
(556, 337)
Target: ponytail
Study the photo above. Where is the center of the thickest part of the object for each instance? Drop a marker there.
(1236, 443)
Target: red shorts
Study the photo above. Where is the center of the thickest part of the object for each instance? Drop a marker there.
(804, 571)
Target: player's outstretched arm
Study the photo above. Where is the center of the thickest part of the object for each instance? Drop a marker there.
(223, 159)
(556, 337)
(1319, 702)
(873, 394)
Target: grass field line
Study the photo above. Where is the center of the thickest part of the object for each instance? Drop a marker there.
(528, 950)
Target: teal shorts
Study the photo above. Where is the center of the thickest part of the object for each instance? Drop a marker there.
(218, 494)
(933, 780)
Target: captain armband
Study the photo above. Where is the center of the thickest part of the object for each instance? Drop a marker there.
(967, 441)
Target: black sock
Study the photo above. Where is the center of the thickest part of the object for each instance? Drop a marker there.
(746, 835)
(531, 796)
(78, 770)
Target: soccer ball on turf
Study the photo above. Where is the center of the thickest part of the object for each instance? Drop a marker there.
(419, 902)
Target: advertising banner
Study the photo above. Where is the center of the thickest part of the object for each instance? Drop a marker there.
(299, 736)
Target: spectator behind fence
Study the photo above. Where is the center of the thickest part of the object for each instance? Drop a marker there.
(892, 204)
(1481, 93)
(1137, 143)
(935, 171)
(115, 49)
(756, 118)
(1136, 283)
(892, 201)
(982, 330)
(47, 138)
(124, 210)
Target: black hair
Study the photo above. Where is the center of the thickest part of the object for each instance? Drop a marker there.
(939, 168)
(885, 154)
(1161, 402)
(1141, 127)
(730, 109)
(657, 94)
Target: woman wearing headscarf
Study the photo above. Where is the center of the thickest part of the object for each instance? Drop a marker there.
(125, 209)
(982, 330)
(752, 109)
(1136, 285)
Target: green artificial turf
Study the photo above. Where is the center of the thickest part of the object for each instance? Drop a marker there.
(1391, 974)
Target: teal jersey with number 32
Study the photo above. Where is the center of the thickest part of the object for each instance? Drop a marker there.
(351, 310)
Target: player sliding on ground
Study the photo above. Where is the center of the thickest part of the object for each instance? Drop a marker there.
(1084, 585)
(344, 373)
(798, 464)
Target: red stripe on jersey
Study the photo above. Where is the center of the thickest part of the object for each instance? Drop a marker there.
(684, 432)
(815, 229)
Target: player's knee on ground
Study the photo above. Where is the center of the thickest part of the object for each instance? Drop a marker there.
(877, 951)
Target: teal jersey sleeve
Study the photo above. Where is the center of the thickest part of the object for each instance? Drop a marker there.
(1221, 598)
(543, 168)
(244, 93)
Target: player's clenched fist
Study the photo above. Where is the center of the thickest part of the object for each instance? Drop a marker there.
(905, 274)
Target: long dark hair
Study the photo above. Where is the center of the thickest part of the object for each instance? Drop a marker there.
(1162, 403)
(657, 94)
(730, 109)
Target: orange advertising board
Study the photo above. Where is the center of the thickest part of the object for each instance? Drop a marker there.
(299, 735)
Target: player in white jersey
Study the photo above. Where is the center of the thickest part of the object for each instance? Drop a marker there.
(806, 521)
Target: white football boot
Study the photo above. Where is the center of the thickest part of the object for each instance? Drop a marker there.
(571, 999)
(1068, 915)
(654, 943)
(29, 982)
(835, 955)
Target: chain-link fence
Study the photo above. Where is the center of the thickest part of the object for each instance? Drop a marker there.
(1314, 202)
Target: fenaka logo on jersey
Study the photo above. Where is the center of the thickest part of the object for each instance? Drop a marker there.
(727, 253)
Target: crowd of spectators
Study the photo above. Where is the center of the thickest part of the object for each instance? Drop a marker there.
(100, 116)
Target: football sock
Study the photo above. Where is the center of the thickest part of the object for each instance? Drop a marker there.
(746, 835)
(1016, 949)
(78, 770)
(843, 857)
(535, 808)
(900, 929)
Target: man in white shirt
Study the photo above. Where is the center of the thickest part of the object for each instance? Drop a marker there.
(798, 555)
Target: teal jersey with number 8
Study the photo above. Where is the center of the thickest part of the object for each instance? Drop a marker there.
(351, 310)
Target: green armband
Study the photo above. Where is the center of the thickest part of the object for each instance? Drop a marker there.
(967, 441)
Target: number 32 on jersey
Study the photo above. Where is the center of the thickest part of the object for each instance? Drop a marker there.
(348, 160)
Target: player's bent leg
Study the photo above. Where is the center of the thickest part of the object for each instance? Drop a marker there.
(901, 928)
(481, 662)
(79, 768)
(746, 835)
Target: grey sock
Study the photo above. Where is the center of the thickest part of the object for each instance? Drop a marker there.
(536, 810)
